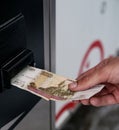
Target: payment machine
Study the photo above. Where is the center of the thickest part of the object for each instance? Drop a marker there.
(21, 44)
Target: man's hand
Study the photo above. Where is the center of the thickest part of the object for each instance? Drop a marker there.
(107, 73)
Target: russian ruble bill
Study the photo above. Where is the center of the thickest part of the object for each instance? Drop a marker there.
(50, 86)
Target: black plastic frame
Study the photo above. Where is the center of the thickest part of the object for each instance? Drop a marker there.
(15, 65)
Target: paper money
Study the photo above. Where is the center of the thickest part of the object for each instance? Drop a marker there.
(50, 86)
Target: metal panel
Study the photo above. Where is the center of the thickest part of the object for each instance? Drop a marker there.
(49, 46)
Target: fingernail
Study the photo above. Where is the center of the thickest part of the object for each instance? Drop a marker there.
(73, 85)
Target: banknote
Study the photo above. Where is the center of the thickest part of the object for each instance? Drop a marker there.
(50, 86)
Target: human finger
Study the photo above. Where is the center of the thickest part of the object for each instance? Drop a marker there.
(97, 75)
(103, 100)
(88, 81)
(85, 102)
(108, 88)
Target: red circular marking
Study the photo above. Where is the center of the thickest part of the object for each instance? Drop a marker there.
(68, 106)
(95, 44)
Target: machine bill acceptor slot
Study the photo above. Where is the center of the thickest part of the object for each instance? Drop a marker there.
(14, 55)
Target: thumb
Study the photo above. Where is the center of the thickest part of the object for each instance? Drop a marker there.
(89, 80)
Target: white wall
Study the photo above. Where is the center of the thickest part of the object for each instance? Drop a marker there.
(79, 23)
